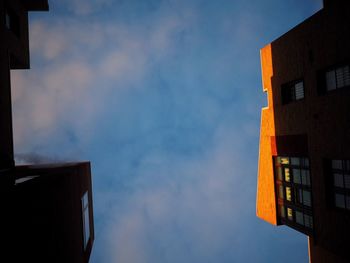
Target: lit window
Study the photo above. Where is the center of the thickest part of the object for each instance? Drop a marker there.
(294, 197)
(338, 78)
(292, 91)
(86, 219)
(340, 172)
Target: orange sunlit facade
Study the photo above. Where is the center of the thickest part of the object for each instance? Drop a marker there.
(304, 158)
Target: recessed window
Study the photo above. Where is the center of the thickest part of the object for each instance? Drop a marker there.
(338, 78)
(294, 198)
(12, 22)
(292, 91)
(340, 173)
(86, 219)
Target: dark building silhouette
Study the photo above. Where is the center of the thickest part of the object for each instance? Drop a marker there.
(304, 158)
(47, 213)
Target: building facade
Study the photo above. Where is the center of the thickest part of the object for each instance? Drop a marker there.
(47, 213)
(304, 155)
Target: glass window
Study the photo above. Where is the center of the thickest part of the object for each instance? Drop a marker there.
(347, 181)
(299, 217)
(339, 200)
(86, 219)
(7, 20)
(331, 80)
(289, 194)
(338, 180)
(296, 176)
(299, 90)
(284, 160)
(306, 198)
(305, 177)
(308, 221)
(279, 173)
(282, 211)
(280, 192)
(290, 214)
(286, 175)
(337, 164)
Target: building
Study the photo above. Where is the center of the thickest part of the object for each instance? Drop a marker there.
(47, 213)
(304, 156)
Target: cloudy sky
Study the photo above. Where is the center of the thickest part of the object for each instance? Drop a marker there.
(164, 98)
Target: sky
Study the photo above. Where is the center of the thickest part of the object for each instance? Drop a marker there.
(164, 98)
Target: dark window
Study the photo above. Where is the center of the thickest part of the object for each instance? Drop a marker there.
(338, 78)
(12, 22)
(340, 174)
(293, 192)
(292, 91)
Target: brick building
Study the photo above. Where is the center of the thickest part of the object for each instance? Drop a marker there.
(47, 213)
(304, 156)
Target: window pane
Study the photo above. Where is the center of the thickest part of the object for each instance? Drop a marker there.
(280, 192)
(286, 175)
(340, 200)
(308, 221)
(299, 195)
(282, 212)
(306, 162)
(284, 160)
(337, 164)
(290, 214)
(288, 193)
(347, 181)
(279, 173)
(296, 176)
(7, 20)
(305, 177)
(346, 76)
(347, 165)
(295, 161)
(306, 198)
(299, 217)
(340, 77)
(338, 180)
(85, 200)
(348, 202)
(299, 90)
(330, 80)
(86, 227)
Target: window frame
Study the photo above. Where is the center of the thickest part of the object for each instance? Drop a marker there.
(334, 189)
(289, 91)
(293, 205)
(322, 86)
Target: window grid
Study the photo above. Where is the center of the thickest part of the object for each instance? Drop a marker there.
(293, 91)
(341, 183)
(338, 78)
(293, 186)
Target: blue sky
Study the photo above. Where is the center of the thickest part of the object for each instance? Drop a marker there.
(164, 98)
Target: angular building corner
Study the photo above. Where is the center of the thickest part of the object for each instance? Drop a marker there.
(47, 213)
(304, 154)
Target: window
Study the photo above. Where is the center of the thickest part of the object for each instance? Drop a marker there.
(294, 198)
(337, 78)
(340, 174)
(292, 91)
(12, 22)
(86, 220)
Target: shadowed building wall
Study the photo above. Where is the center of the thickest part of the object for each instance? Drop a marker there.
(47, 213)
